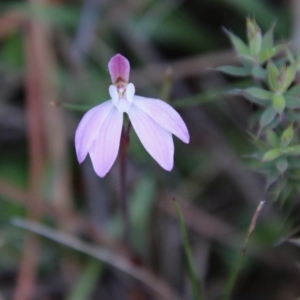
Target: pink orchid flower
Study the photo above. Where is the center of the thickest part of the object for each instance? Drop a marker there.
(153, 120)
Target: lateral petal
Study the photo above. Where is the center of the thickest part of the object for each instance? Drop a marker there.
(156, 140)
(105, 148)
(165, 115)
(89, 127)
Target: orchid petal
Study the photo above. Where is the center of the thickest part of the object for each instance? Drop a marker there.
(89, 127)
(105, 148)
(164, 115)
(156, 140)
(119, 68)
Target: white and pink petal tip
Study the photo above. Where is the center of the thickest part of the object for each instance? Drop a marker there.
(153, 120)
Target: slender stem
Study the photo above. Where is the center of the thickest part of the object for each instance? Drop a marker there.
(195, 282)
(124, 145)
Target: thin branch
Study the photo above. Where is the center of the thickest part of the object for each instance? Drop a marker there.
(194, 66)
(123, 264)
(26, 279)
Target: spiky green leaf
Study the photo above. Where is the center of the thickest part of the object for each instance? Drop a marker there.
(267, 117)
(273, 74)
(294, 91)
(235, 71)
(268, 38)
(259, 93)
(239, 45)
(287, 136)
(271, 154)
(282, 165)
(292, 101)
(272, 138)
(266, 54)
(278, 103)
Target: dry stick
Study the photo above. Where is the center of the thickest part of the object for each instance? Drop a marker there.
(192, 66)
(10, 22)
(55, 128)
(252, 226)
(47, 209)
(234, 275)
(26, 279)
(124, 145)
(143, 275)
(56, 139)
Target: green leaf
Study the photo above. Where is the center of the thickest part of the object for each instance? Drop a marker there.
(238, 44)
(294, 91)
(273, 73)
(282, 165)
(87, 281)
(292, 150)
(278, 103)
(287, 136)
(267, 117)
(235, 71)
(287, 76)
(268, 38)
(271, 154)
(292, 101)
(259, 72)
(289, 55)
(272, 138)
(254, 37)
(269, 53)
(259, 93)
(262, 102)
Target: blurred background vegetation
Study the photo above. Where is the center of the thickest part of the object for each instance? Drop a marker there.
(53, 66)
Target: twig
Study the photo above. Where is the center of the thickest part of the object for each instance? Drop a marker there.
(48, 209)
(240, 260)
(252, 226)
(194, 66)
(26, 279)
(9, 22)
(141, 274)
